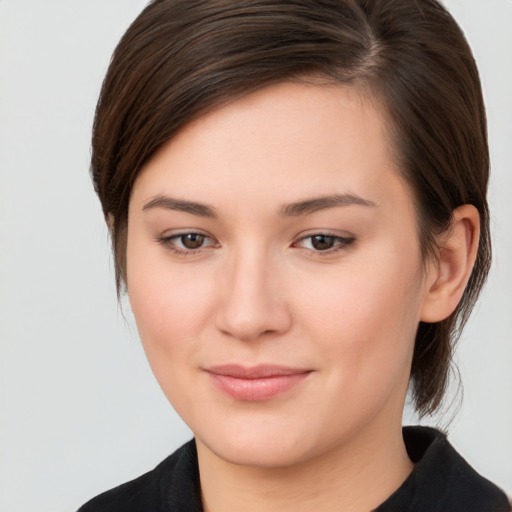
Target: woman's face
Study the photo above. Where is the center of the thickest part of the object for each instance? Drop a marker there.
(274, 271)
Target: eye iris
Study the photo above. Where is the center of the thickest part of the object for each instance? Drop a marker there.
(192, 240)
(322, 242)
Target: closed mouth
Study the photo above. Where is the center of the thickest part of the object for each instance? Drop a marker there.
(256, 383)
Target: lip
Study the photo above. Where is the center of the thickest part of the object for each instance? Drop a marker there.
(255, 383)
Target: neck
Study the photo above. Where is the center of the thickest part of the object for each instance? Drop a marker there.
(355, 477)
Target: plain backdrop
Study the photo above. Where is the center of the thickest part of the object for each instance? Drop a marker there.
(80, 409)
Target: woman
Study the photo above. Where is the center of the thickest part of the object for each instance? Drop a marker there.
(296, 194)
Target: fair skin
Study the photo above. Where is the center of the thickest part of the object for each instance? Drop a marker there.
(275, 274)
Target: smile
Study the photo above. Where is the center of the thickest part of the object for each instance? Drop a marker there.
(253, 384)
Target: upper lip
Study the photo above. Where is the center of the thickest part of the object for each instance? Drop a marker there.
(255, 372)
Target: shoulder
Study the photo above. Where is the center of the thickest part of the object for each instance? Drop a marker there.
(442, 480)
(464, 487)
(175, 478)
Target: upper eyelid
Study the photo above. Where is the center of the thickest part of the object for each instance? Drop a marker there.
(169, 243)
(341, 242)
(298, 238)
(182, 232)
(324, 233)
(336, 237)
(344, 235)
(179, 235)
(166, 236)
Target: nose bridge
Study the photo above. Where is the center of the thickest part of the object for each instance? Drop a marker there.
(253, 301)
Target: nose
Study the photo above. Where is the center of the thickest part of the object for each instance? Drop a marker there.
(253, 299)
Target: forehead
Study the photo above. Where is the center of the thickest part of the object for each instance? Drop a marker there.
(281, 143)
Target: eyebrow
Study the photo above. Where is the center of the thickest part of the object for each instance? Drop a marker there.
(305, 207)
(322, 203)
(179, 205)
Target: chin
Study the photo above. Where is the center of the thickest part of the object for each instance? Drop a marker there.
(269, 447)
(257, 454)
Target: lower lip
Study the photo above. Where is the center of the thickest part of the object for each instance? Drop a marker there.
(256, 390)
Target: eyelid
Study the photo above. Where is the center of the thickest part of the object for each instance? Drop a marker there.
(167, 241)
(342, 241)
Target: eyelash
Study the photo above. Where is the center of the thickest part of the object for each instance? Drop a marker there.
(169, 243)
(341, 243)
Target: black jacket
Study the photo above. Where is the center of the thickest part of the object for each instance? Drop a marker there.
(442, 481)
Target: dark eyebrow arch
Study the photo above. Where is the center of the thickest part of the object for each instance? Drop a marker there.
(179, 205)
(316, 204)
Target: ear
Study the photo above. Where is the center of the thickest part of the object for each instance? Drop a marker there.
(450, 270)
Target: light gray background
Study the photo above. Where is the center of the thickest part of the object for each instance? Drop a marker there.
(80, 410)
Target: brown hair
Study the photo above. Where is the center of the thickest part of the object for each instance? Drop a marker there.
(182, 58)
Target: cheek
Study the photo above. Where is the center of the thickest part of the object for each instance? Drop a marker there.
(170, 310)
(365, 316)
(170, 303)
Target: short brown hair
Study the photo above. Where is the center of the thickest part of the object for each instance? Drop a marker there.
(182, 58)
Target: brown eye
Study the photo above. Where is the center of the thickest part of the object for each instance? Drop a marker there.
(326, 243)
(185, 244)
(322, 242)
(192, 240)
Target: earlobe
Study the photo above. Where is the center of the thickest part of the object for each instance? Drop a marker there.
(449, 273)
